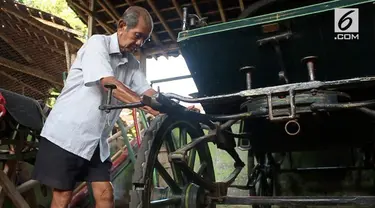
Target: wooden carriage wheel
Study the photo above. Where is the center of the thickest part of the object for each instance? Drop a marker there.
(170, 189)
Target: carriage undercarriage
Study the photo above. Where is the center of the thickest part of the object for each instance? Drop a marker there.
(280, 112)
(306, 116)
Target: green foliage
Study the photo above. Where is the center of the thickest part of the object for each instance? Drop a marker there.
(52, 98)
(60, 9)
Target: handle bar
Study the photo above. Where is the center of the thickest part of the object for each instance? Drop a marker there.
(158, 102)
(164, 104)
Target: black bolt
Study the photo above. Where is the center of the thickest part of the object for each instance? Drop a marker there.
(309, 60)
(247, 70)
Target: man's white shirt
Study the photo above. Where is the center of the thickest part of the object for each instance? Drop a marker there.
(75, 123)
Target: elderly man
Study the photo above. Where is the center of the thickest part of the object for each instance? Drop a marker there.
(74, 147)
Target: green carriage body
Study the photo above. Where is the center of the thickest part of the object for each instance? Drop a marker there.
(214, 54)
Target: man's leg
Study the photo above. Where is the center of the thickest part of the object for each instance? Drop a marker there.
(99, 176)
(57, 169)
(61, 198)
(103, 194)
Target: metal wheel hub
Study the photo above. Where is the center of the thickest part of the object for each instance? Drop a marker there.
(194, 196)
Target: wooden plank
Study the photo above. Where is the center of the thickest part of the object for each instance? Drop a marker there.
(29, 70)
(61, 27)
(12, 192)
(10, 171)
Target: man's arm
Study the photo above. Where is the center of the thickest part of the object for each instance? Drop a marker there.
(97, 70)
(126, 95)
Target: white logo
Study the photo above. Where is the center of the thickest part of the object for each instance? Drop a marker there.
(346, 24)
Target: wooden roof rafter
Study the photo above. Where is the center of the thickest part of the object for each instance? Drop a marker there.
(6, 7)
(15, 47)
(33, 37)
(167, 16)
(25, 33)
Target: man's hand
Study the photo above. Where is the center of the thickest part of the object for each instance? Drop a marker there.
(193, 108)
(149, 110)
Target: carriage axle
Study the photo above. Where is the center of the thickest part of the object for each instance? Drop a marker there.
(303, 200)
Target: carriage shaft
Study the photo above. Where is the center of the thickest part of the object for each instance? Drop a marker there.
(301, 200)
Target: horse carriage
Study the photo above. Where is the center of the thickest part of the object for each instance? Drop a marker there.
(288, 80)
(21, 120)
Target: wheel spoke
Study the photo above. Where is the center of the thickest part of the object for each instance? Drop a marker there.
(167, 178)
(164, 137)
(177, 175)
(183, 137)
(202, 168)
(191, 158)
(194, 177)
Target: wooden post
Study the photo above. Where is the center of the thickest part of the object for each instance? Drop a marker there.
(141, 57)
(67, 55)
(142, 63)
(91, 22)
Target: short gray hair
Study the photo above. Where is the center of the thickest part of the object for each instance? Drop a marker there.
(132, 14)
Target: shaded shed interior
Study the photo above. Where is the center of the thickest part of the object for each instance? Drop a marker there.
(32, 50)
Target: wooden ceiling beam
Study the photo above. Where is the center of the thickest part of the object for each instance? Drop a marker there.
(166, 27)
(242, 6)
(221, 10)
(22, 83)
(7, 7)
(12, 44)
(196, 8)
(29, 70)
(179, 19)
(156, 50)
(32, 39)
(161, 10)
(80, 13)
(178, 8)
(86, 10)
(113, 10)
(109, 12)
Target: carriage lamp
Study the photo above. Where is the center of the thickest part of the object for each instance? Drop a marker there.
(309, 60)
(247, 70)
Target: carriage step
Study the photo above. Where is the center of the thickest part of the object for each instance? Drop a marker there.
(300, 200)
